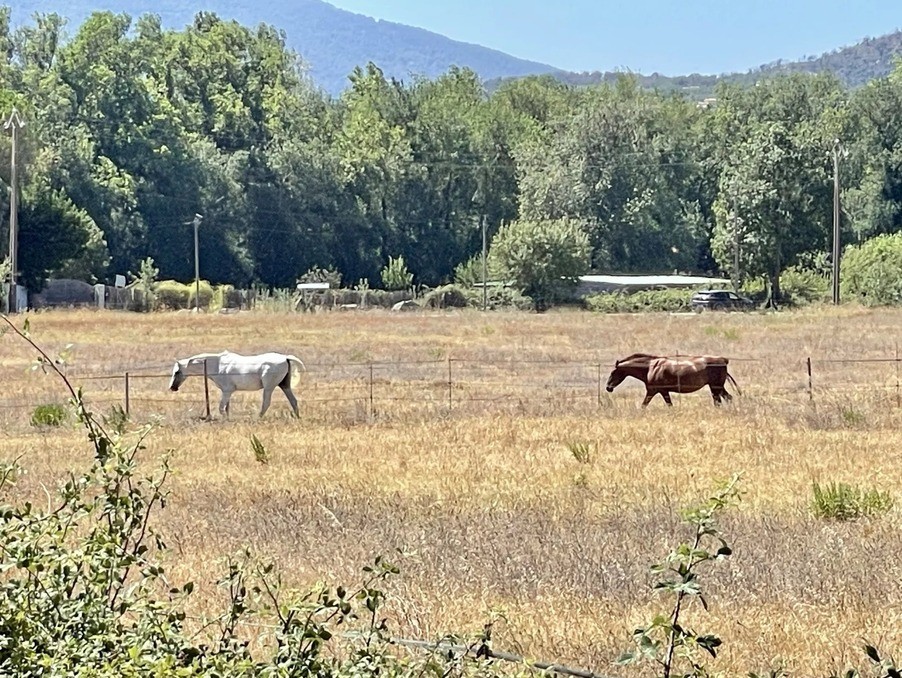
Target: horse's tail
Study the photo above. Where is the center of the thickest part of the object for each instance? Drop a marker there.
(295, 375)
(733, 381)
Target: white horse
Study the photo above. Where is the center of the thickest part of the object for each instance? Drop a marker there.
(233, 372)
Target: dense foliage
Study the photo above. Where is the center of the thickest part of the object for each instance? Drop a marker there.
(133, 129)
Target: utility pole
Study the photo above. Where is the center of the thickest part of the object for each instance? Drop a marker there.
(485, 270)
(197, 219)
(837, 149)
(736, 275)
(14, 124)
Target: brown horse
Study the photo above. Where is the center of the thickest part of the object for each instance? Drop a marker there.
(685, 374)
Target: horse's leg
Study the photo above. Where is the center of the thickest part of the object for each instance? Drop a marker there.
(267, 398)
(715, 393)
(666, 396)
(291, 399)
(224, 402)
(649, 394)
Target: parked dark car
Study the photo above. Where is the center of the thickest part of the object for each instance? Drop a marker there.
(719, 300)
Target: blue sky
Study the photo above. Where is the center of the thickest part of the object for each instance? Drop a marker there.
(667, 36)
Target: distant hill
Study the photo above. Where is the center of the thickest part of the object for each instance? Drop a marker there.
(332, 41)
(853, 65)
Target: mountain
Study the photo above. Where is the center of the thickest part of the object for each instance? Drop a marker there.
(854, 65)
(331, 41)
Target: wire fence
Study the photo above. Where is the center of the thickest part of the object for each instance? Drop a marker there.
(354, 392)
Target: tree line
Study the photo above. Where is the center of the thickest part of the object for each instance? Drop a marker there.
(133, 129)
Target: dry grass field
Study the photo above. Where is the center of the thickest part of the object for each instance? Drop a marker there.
(473, 479)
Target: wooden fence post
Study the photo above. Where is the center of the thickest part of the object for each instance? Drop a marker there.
(810, 383)
(206, 391)
(127, 407)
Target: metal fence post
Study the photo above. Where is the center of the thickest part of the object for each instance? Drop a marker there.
(598, 383)
(897, 375)
(372, 405)
(810, 384)
(449, 384)
(127, 407)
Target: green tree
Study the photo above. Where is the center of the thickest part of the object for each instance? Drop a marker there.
(775, 193)
(621, 164)
(542, 258)
(56, 236)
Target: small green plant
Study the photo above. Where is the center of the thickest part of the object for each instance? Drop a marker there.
(728, 333)
(117, 419)
(362, 288)
(260, 453)
(666, 642)
(581, 451)
(843, 502)
(146, 282)
(49, 414)
(851, 417)
(395, 275)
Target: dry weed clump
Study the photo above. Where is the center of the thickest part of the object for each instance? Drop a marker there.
(480, 494)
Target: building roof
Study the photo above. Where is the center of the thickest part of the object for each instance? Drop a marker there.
(652, 280)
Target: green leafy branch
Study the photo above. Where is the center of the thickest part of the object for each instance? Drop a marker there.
(666, 641)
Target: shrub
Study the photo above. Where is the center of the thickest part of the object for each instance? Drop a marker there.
(321, 275)
(801, 286)
(672, 300)
(469, 272)
(206, 294)
(51, 414)
(447, 296)
(395, 275)
(499, 297)
(871, 273)
(223, 297)
(840, 501)
(171, 295)
(544, 259)
(174, 295)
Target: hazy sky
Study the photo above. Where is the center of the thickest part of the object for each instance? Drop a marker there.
(667, 36)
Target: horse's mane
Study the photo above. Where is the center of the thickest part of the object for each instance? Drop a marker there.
(638, 357)
(204, 356)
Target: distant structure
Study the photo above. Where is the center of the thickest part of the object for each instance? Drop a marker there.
(592, 284)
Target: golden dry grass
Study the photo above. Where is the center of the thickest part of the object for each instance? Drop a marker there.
(486, 502)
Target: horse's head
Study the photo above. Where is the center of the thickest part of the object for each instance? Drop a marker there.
(618, 374)
(178, 375)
